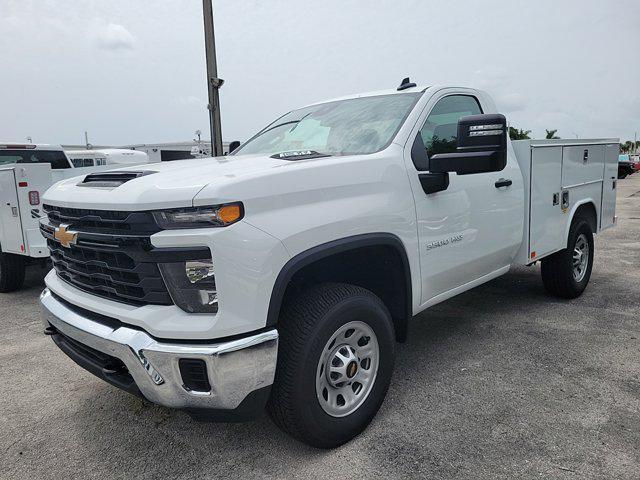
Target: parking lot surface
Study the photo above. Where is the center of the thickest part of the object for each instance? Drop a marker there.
(500, 382)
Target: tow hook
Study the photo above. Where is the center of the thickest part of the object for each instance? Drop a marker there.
(50, 330)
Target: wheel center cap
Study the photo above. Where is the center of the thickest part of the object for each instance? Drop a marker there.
(352, 369)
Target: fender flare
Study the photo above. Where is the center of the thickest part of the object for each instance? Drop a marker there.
(572, 214)
(325, 250)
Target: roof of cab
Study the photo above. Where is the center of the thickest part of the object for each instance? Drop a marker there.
(394, 91)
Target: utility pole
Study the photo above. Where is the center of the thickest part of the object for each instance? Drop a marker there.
(213, 82)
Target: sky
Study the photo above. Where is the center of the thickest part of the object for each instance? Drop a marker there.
(134, 71)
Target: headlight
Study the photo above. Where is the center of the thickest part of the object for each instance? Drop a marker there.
(192, 285)
(197, 217)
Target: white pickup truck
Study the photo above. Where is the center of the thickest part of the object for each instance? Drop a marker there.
(284, 274)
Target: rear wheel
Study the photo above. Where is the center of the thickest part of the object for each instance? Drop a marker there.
(567, 272)
(11, 272)
(335, 360)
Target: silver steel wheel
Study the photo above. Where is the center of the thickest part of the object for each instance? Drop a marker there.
(580, 257)
(347, 369)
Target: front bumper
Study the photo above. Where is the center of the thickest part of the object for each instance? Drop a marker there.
(131, 359)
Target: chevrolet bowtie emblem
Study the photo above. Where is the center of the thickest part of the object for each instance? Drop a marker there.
(64, 236)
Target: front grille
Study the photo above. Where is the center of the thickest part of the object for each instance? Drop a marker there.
(113, 256)
(112, 275)
(103, 221)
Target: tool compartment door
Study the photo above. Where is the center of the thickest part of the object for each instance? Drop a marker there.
(582, 164)
(35, 178)
(609, 186)
(11, 239)
(546, 228)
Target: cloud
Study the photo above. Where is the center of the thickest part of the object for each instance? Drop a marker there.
(184, 101)
(115, 37)
(511, 102)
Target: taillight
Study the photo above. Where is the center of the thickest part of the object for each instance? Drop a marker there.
(34, 197)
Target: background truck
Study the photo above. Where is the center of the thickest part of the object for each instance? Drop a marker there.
(106, 156)
(284, 274)
(26, 171)
(626, 166)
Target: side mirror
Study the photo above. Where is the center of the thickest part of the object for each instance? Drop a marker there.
(234, 145)
(482, 147)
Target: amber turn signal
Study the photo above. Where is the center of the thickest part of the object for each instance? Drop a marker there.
(229, 213)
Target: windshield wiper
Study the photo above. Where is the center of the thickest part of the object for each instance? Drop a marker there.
(299, 155)
(287, 123)
(279, 125)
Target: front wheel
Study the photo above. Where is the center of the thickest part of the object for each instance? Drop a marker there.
(335, 360)
(567, 273)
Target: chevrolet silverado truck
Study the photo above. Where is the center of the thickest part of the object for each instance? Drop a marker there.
(283, 276)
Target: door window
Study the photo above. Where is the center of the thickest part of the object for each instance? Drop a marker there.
(440, 130)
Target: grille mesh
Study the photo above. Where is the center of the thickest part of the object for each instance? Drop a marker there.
(111, 255)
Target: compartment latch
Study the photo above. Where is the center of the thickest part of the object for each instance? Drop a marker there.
(565, 200)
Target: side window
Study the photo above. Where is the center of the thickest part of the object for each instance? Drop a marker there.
(56, 158)
(440, 130)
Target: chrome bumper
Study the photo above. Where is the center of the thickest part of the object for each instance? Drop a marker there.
(235, 368)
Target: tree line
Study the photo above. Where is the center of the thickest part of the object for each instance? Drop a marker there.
(520, 134)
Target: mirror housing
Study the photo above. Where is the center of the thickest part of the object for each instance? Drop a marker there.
(482, 147)
(234, 145)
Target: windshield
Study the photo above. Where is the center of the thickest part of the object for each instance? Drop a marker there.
(56, 158)
(345, 127)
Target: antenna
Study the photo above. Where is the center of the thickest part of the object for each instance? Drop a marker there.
(406, 83)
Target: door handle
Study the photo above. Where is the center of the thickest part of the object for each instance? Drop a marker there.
(503, 182)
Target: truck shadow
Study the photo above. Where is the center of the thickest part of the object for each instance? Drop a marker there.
(447, 339)
(34, 277)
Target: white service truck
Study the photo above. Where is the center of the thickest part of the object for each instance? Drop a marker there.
(284, 274)
(106, 156)
(26, 171)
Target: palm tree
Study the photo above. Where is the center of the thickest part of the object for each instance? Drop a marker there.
(551, 134)
(629, 146)
(518, 134)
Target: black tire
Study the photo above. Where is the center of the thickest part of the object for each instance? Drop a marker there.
(557, 269)
(11, 272)
(306, 324)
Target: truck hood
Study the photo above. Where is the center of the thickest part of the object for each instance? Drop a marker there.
(163, 185)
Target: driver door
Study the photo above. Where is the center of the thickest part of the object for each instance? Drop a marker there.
(473, 228)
